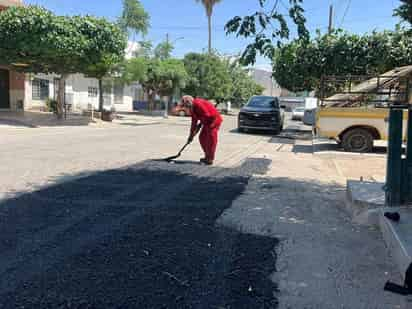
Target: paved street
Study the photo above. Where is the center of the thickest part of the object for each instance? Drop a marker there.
(90, 220)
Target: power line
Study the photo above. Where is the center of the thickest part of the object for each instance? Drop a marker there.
(346, 12)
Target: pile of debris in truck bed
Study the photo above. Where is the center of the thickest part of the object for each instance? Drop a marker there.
(392, 87)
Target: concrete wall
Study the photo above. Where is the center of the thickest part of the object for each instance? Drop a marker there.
(264, 78)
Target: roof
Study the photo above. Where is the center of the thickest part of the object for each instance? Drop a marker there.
(11, 3)
(382, 81)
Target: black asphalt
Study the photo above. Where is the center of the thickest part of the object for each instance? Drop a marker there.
(139, 237)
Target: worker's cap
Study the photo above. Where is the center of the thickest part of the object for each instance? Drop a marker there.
(187, 101)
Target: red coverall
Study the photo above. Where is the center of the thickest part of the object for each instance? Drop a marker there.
(209, 117)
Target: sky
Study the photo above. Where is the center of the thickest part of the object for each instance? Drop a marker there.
(186, 23)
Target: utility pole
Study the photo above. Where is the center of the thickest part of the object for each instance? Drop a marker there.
(166, 115)
(330, 19)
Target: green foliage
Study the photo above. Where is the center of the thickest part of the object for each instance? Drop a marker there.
(209, 5)
(134, 19)
(243, 85)
(405, 11)
(57, 44)
(47, 43)
(266, 27)
(51, 105)
(156, 76)
(209, 77)
(145, 49)
(299, 65)
(163, 50)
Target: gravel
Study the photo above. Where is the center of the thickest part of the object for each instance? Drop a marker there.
(140, 237)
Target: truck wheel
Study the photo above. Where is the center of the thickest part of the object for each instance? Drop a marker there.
(358, 140)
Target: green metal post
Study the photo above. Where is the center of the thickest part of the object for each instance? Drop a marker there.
(394, 164)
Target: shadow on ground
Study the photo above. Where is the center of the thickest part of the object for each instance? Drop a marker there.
(140, 237)
(288, 133)
(136, 124)
(15, 123)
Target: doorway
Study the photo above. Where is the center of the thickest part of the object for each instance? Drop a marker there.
(4, 89)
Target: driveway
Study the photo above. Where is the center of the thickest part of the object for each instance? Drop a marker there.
(90, 220)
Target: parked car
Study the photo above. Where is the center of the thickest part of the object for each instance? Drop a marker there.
(298, 113)
(178, 110)
(261, 113)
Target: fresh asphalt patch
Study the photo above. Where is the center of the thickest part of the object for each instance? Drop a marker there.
(141, 237)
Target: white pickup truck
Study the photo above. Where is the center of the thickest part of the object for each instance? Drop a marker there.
(357, 126)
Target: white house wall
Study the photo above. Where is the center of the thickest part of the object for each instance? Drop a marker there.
(77, 93)
(78, 86)
(30, 103)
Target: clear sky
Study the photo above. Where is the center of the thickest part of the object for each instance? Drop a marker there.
(186, 18)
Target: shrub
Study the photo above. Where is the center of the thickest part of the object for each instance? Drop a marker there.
(51, 105)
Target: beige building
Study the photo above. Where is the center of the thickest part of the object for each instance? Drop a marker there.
(271, 87)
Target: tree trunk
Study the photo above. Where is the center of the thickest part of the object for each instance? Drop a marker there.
(101, 99)
(61, 96)
(209, 21)
(151, 96)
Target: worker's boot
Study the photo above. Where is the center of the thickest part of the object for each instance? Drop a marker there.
(206, 161)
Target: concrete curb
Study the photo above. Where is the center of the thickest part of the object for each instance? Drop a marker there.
(364, 201)
(398, 238)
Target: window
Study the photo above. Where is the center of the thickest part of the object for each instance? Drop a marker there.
(40, 89)
(93, 92)
(264, 102)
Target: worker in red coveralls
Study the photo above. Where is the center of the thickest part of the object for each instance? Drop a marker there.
(204, 114)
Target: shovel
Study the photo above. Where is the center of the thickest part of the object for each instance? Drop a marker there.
(170, 159)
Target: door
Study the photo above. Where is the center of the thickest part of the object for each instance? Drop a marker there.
(4, 89)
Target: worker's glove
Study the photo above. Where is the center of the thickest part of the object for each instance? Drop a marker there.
(198, 128)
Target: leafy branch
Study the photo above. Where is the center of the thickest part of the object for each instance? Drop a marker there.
(267, 26)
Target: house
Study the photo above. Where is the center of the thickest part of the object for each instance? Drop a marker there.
(81, 92)
(11, 82)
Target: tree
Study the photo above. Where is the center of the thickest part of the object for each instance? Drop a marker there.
(134, 19)
(157, 77)
(209, 6)
(209, 77)
(163, 50)
(405, 11)
(47, 43)
(99, 71)
(300, 65)
(266, 27)
(145, 49)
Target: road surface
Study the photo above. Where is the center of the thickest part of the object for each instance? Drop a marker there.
(90, 220)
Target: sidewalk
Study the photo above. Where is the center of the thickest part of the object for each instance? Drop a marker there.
(29, 120)
(324, 260)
